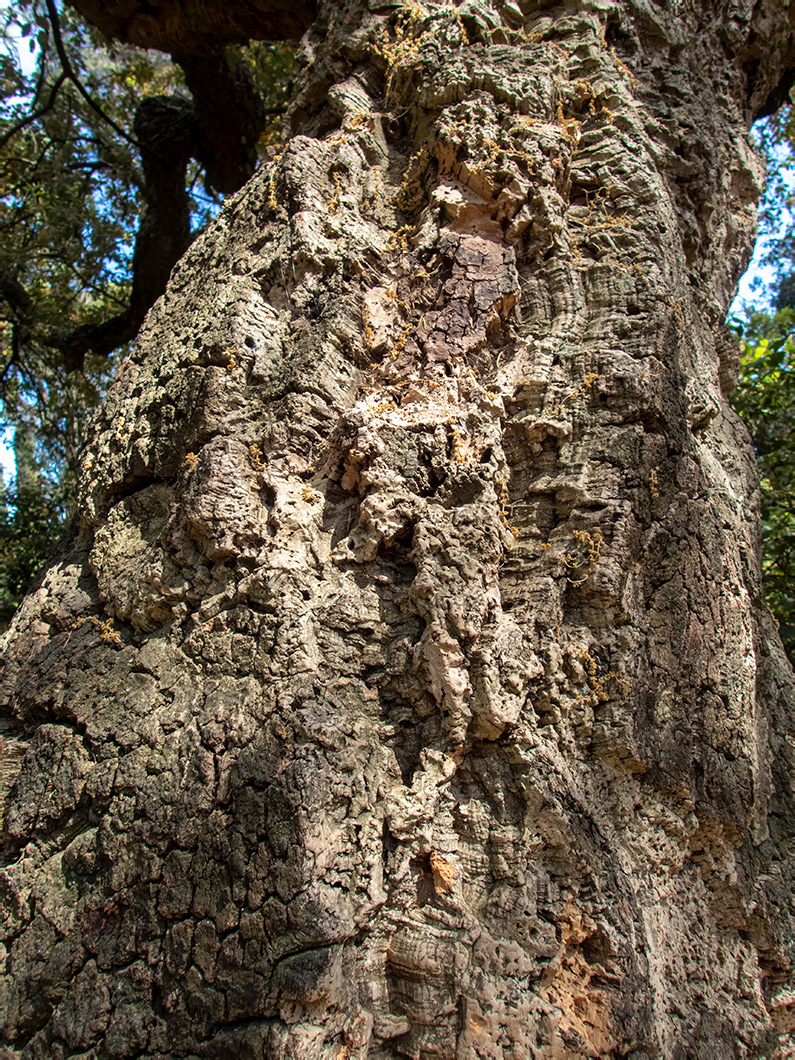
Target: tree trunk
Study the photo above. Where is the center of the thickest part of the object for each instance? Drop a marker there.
(406, 688)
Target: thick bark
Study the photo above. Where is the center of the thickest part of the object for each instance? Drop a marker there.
(439, 713)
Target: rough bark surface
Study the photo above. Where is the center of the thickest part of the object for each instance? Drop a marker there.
(406, 688)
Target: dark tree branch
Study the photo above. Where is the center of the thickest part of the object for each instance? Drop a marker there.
(34, 115)
(229, 115)
(779, 96)
(167, 132)
(166, 129)
(195, 25)
(219, 129)
(14, 294)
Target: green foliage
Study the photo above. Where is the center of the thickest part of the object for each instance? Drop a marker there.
(765, 399)
(765, 396)
(273, 67)
(31, 521)
(775, 138)
(30, 525)
(70, 202)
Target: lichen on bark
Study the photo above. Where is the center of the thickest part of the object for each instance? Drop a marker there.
(406, 687)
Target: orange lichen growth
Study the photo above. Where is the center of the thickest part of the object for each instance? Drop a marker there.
(106, 631)
(257, 457)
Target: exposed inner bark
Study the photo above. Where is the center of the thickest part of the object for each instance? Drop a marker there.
(407, 689)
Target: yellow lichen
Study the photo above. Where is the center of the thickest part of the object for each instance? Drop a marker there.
(411, 192)
(597, 684)
(106, 631)
(584, 560)
(257, 456)
(272, 204)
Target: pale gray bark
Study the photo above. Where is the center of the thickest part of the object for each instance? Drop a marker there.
(440, 714)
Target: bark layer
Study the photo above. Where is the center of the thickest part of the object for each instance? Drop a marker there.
(406, 689)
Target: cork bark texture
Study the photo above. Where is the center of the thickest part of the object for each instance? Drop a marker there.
(405, 688)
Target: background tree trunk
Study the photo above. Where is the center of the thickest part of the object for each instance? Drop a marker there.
(406, 688)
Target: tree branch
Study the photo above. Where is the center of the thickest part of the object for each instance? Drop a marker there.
(70, 73)
(195, 25)
(167, 132)
(219, 129)
(166, 129)
(229, 116)
(12, 292)
(35, 115)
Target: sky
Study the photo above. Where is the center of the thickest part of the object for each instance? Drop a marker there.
(756, 270)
